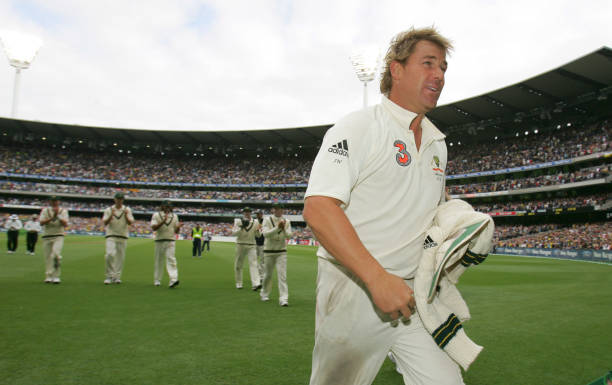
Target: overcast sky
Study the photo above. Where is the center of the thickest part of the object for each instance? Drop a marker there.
(257, 64)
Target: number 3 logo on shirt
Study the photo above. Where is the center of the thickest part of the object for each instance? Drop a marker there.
(402, 157)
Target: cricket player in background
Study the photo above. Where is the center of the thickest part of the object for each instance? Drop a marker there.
(245, 230)
(276, 230)
(32, 228)
(373, 192)
(116, 219)
(259, 246)
(166, 225)
(54, 220)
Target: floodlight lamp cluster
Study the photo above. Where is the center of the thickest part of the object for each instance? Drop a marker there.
(20, 48)
(365, 66)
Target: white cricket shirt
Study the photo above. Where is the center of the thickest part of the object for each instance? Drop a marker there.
(369, 161)
(245, 235)
(275, 239)
(118, 225)
(55, 227)
(168, 228)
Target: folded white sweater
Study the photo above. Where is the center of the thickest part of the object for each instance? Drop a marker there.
(458, 238)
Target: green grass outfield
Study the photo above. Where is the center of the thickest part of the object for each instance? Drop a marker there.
(541, 321)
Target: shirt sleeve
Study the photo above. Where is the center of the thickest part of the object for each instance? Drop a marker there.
(64, 215)
(267, 227)
(129, 215)
(107, 214)
(288, 230)
(154, 221)
(236, 228)
(341, 158)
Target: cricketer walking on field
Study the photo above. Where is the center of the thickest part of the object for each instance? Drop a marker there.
(276, 230)
(373, 192)
(116, 219)
(54, 219)
(166, 225)
(245, 230)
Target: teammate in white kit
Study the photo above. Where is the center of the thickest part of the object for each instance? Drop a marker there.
(372, 194)
(33, 228)
(54, 220)
(259, 246)
(245, 230)
(165, 224)
(116, 218)
(276, 230)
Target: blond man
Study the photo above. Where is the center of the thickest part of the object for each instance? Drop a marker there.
(166, 225)
(53, 219)
(116, 219)
(372, 193)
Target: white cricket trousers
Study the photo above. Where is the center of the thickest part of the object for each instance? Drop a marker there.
(52, 249)
(114, 257)
(278, 260)
(242, 251)
(164, 250)
(352, 338)
(260, 260)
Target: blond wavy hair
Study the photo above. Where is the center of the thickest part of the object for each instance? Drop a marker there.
(402, 45)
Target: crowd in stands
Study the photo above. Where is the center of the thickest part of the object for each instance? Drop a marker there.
(588, 173)
(568, 142)
(142, 228)
(235, 210)
(151, 193)
(596, 236)
(152, 167)
(565, 143)
(544, 204)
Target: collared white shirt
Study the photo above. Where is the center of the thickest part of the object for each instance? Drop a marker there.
(389, 190)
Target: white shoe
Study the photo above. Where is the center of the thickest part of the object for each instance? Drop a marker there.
(107, 281)
(284, 303)
(157, 283)
(56, 280)
(48, 280)
(238, 286)
(117, 281)
(265, 299)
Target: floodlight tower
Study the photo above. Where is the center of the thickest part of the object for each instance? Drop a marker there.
(365, 65)
(20, 49)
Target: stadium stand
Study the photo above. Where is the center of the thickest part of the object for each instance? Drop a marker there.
(535, 155)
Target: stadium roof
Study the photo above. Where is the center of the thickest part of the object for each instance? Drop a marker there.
(586, 79)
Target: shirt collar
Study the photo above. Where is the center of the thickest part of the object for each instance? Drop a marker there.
(405, 117)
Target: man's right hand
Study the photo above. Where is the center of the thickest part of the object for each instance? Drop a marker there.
(392, 295)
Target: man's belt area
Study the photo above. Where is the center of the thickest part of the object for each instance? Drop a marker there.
(275, 251)
(246, 244)
(53, 236)
(165, 240)
(115, 236)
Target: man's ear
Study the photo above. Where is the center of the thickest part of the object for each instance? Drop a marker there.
(396, 68)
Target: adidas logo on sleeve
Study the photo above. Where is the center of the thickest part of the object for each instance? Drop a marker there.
(429, 243)
(341, 148)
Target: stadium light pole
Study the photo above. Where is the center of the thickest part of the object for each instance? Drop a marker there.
(21, 49)
(365, 64)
